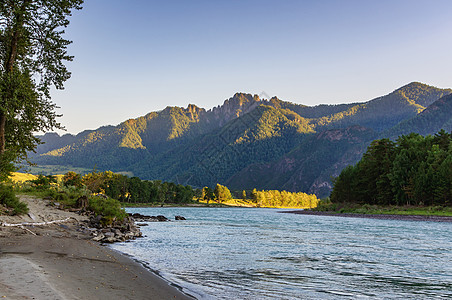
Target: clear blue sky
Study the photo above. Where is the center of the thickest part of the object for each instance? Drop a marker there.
(137, 56)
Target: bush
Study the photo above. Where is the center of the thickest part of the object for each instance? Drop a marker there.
(109, 208)
(44, 182)
(325, 204)
(9, 199)
(72, 179)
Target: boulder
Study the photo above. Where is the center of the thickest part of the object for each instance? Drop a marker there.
(99, 237)
(162, 218)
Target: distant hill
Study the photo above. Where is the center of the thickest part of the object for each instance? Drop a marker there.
(436, 117)
(250, 142)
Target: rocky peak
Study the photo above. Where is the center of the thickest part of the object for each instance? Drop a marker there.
(194, 112)
(234, 107)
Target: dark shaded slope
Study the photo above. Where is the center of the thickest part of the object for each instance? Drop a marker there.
(262, 135)
(385, 112)
(51, 141)
(309, 167)
(436, 117)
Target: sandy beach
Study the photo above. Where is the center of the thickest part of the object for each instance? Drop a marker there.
(59, 261)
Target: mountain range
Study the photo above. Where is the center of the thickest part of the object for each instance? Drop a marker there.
(249, 142)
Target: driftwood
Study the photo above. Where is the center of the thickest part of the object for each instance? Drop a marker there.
(26, 229)
(34, 223)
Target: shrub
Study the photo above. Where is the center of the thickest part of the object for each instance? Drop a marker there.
(44, 182)
(109, 208)
(9, 199)
(72, 179)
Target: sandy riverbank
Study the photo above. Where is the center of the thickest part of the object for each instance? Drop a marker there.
(59, 261)
(373, 216)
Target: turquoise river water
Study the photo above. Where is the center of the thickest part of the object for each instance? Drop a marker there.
(247, 253)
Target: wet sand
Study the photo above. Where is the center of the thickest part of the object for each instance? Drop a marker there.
(60, 261)
(46, 267)
(373, 216)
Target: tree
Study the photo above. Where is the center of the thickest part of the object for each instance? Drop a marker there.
(222, 193)
(416, 170)
(32, 56)
(208, 194)
(254, 195)
(72, 179)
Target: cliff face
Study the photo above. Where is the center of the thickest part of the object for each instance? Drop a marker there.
(232, 108)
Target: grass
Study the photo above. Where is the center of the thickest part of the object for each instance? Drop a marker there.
(52, 169)
(386, 210)
(9, 200)
(22, 177)
(18, 177)
(59, 169)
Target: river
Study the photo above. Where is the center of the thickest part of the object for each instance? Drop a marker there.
(251, 253)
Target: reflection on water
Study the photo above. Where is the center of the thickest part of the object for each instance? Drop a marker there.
(243, 253)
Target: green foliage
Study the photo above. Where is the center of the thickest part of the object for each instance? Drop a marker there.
(247, 142)
(325, 204)
(9, 199)
(222, 193)
(32, 56)
(208, 194)
(72, 179)
(135, 190)
(66, 196)
(385, 210)
(109, 208)
(6, 167)
(44, 182)
(276, 198)
(416, 170)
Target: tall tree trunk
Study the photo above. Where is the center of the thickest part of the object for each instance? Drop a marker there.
(16, 36)
(2, 132)
(10, 64)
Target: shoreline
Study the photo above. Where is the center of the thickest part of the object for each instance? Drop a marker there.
(61, 261)
(418, 218)
(143, 264)
(48, 267)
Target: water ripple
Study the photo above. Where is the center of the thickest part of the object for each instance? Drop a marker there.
(230, 253)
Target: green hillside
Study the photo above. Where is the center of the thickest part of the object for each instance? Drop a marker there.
(250, 142)
(262, 135)
(309, 166)
(436, 117)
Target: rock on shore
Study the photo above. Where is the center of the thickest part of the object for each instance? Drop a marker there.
(119, 232)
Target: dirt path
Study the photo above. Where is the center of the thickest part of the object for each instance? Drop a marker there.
(40, 211)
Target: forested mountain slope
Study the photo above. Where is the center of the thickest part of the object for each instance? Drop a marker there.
(249, 138)
(436, 117)
(309, 166)
(262, 135)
